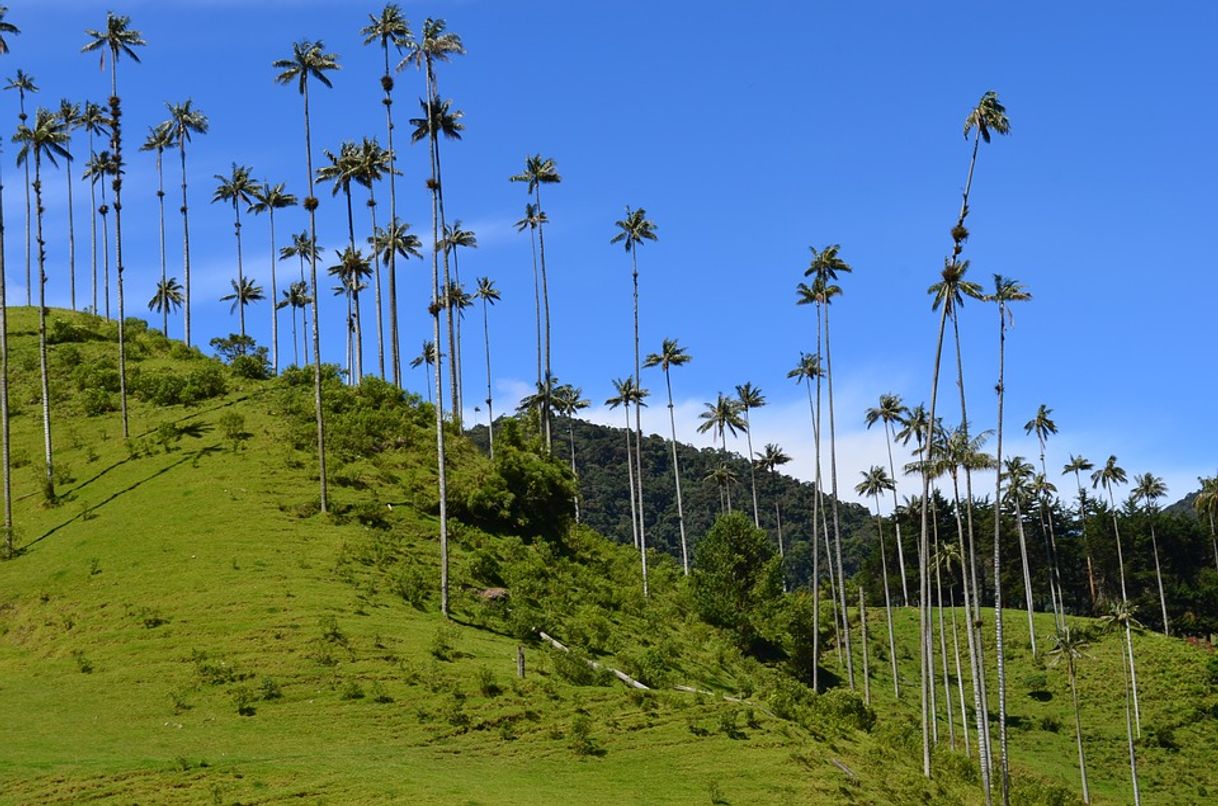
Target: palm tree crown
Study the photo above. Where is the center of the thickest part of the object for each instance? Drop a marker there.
(635, 228)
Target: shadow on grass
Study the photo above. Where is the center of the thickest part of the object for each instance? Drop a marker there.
(192, 457)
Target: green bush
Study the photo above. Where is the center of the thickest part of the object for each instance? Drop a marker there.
(204, 383)
(254, 367)
(736, 576)
(581, 739)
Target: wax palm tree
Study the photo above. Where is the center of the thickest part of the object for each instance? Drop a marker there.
(457, 237)
(876, 481)
(1070, 648)
(750, 398)
(1121, 616)
(720, 418)
(824, 266)
(310, 60)
(892, 412)
(186, 121)
(341, 170)
(489, 296)
(371, 164)
(769, 459)
(160, 137)
(724, 477)
(352, 270)
(1018, 477)
(296, 297)
(119, 39)
(532, 220)
(988, 116)
(807, 371)
(267, 199)
(5, 29)
(168, 297)
(94, 121)
(390, 28)
(1109, 476)
(23, 83)
(568, 401)
(1206, 501)
(245, 292)
(1150, 488)
(1078, 465)
(99, 167)
(540, 171)
(629, 393)
(1043, 426)
(671, 355)
(633, 231)
(428, 357)
(46, 139)
(236, 189)
(69, 113)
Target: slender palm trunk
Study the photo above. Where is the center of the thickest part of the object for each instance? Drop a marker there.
(634, 517)
(454, 310)
(972, 639)
(105, 212)
(815, 544)
(452, 376)
(892, 644)
(49, 478)
(998, 620)
(574, 472)
(834, 583)
(437, 220)
(311, 204)
(1078, 729)
(5, 454)
(748, 434)
(29, 221)
(537, 311)
(160, 199)
(638, 417)
(959, 672)
(186, 246)
(274, 303)
(295, 345)
(93, 223)
(837, 532)
(545, 304)
(376, 268)
(782, 554)
(676, 475)
(240, 265)
(1154, 543)
(395, 358)
(947, 685)
(1027, 575)
(490, 412)
(1082, 529)
(116, 135)
(892, 472)
(1133, 673)
(67, 173)
(1133, 759)
(863, 639)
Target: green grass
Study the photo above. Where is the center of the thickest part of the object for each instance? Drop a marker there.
(173, 586)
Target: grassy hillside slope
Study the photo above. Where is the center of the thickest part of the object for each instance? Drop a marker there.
(181, 626)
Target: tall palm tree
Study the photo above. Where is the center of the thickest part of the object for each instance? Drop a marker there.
(891, 411)
(720, 418)
(428, 357)
(352, 270)
(390, 27)
(160, 137)
(1150, 488)
(5, 454)
(168, 297)
(267, 199)
(457, 237)
(489, 296)
(805, 372)
(310, 60)
(1070, 648)
(532, 220)
(672, 355)
(236, 189)
(540, 171)
(186, 121)
(1018, 475)
(628, 393)
(245, 292)
(341, 171)
(1121, 615)
(1043, 426)
(47, 139)
(750, 398)
(69, 113)
(568, 401)
(824, 266)
(93, 119)
(296, 297)
(633, 231)
(1108, 476)
(372, 163)
(388, 244)
(1206, 501)
(1078, 465)
(875, 481)
(120, 39)
(947, 556)
(770, 459)
(99, 167)
(23, 83)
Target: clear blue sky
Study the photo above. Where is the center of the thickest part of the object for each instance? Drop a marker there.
(748, 132)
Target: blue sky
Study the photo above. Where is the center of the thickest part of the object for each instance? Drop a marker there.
(748, 132)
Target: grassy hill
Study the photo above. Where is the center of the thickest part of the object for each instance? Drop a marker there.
(182, 626)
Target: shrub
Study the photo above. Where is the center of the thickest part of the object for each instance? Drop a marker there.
(581, 739)
(244, 698)
(487, 684)
(232, 425)
(352, 691)
(204, 383)
(411, 585)
(254, 366)
(441, 644)
(96, 402)
(269, 689)
(735, 575)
